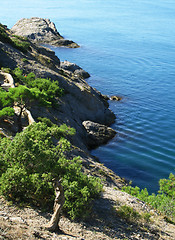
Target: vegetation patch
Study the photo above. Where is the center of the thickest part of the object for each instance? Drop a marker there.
(50, 89)
(30, 88)
(17, 42)
(163, 201)
(30, 163)
(128, 213)
(36, 157)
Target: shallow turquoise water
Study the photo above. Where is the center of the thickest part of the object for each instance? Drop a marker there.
(128, 47)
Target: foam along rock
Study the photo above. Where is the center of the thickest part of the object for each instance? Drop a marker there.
(41, 30)
(97, 134)
(72, 67)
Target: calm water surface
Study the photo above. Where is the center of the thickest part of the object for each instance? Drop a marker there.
(128, 47)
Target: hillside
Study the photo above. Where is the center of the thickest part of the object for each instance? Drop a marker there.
(78, 106)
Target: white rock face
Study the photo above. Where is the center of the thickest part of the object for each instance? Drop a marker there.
(36, 29)
(42, 31)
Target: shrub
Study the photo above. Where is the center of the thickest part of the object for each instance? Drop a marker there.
(16, 41)
(7, 111)
(3, 145)
(5, 99)
(31, 162)
(6, 103)
(49, 88)
(164, 200)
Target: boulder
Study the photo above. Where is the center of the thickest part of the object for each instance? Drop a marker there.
(72, 67)
(97, 134)
(116, 98)
(41, 30)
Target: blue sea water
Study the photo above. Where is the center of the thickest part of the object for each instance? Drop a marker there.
(128, 47)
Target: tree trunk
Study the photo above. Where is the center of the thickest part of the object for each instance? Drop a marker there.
(58, 204)
(29, 116)
(19, 122)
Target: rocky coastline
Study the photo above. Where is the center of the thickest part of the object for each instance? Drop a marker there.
(87, 110)
(80, 103)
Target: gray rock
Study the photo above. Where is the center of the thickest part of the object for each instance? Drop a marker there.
(72, 67)
(97, 134)
(65, 43)
(41, 31)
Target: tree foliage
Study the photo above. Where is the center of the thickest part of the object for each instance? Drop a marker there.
(31, 89)
(21, 97)
(32, 161)
(7, 111)
(50, 89)
(6, 103)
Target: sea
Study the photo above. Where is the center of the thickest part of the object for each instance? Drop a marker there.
(128, 47)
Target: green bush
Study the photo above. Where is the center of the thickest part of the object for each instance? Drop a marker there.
(6, 103)
(49, 88)
(5, 99)
(16, 41)
(31, 162)
(7, 111)
(3, 145)
(22, 97)
(164, 200)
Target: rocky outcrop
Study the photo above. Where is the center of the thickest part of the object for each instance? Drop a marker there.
(41, 30)
(116, 98)
(97, 134)
(74, 68)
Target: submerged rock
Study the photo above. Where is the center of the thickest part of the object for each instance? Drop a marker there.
(41, 30)
(116, 98)
(97, 134)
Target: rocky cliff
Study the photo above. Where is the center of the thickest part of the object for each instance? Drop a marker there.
(85, 109)
(41, 30)
(80, 102)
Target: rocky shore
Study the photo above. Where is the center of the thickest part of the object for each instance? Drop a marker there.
(85, 109)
